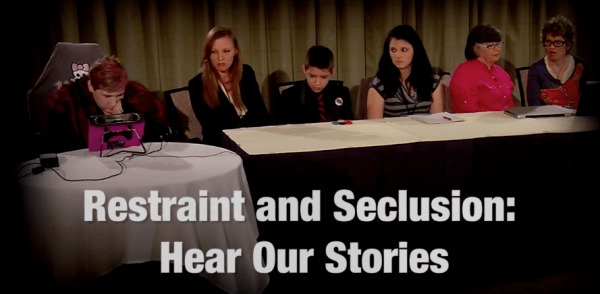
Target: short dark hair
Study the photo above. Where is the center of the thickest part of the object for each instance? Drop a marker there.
(320, 57)
(481, 33)
(559, 26)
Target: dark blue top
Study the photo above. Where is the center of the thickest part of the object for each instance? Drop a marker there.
(299, 104)
(539, 78)
(224, 116)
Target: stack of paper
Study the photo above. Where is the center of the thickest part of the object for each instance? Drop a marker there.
(437, 118)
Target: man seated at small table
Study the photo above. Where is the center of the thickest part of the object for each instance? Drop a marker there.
(105, 90)
(315, 99)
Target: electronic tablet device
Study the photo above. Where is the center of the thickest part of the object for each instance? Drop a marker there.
(539, 111)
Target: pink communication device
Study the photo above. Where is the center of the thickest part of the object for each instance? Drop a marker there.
(107, 132)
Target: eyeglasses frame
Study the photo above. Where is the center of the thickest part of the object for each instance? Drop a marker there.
(491, 45)
(553, 43)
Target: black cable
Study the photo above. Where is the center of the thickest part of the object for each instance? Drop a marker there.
(24, 166)
(121, 163)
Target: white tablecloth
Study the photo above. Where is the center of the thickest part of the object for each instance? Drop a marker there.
(77, 251)
(402, 130)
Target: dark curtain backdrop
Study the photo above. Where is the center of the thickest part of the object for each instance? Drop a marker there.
(160, 41)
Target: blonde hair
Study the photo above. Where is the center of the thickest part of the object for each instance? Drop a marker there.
(210, 76)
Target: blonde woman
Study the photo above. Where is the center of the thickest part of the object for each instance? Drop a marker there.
(225, 94)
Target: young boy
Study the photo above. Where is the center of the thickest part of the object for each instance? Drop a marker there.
(315, 99)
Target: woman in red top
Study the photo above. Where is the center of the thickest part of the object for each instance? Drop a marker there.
(479, 84)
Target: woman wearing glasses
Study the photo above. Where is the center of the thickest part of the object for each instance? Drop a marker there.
(556, 78)
(479, 84)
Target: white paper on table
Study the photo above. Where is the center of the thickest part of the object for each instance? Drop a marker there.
(437, 118)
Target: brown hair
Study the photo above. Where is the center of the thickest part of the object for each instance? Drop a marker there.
(560, 26)
(107, 73)
(320, 57)
(481, 33)
(210, 76)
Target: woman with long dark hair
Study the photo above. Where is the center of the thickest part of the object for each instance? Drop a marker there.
(405, 83)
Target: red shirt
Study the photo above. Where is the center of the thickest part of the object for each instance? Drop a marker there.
(474, 87)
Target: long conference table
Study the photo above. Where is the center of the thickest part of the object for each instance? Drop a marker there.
(74, 244)
(546, 168)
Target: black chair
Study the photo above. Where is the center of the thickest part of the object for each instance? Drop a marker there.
(68, 62)
(589, 104)
(445, 80)
(361, 101)
(181, 114)
(522, 73)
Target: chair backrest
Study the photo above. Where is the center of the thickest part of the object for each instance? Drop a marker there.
(285, 85)
(276, 100)
(69, 61)
(181, 113)
(522, 73)
(589, 104)
(445, 80)
(361, 101)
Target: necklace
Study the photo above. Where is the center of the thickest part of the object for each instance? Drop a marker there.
(556, 71)
(410, 92)
(561, 71)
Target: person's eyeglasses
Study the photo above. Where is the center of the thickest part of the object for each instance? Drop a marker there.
(490, 46)
(556, 43)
